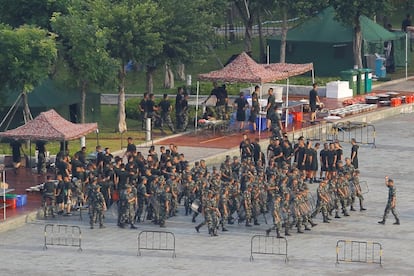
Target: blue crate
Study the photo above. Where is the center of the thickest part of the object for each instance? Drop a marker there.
(21, 200)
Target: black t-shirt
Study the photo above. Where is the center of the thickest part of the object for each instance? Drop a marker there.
(246, 149)
(324, 155)
(312, 97)
(241, 103)
(49, 188)
(221, 95)
(143, 105)
(107, 158)
(165, 106)
(330, 156)
(355, 149)
(123, 178)
(287, 152)
(150, 106)
(300, 154)
(271, 99)
(131, 148)
(339, 155)
(276, 151)
(178, 100)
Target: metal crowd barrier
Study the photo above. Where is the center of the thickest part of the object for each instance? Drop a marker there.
(362, 132)
(156, 240)
(62, 235)
(364, 186)
(359, 252)
(268, 245)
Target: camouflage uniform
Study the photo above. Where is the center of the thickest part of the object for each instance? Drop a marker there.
(211, 214)
(98, 206)
(247, 203)
(165, 200)
(357, 192)
(224, 208)
(256, 198)
(322, 202)
(277, 219)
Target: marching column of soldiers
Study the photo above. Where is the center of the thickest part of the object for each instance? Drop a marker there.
(241, 190)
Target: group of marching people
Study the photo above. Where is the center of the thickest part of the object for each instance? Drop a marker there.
(240, 190)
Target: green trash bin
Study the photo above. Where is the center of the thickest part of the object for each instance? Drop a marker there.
(368, 79)
(361, 82)
(352, 77)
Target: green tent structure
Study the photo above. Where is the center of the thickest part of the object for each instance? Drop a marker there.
(50, 95)
(327, 43)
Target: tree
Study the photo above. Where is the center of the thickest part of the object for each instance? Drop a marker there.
(31, 12)
(349, 12)
(26, 58)
(299, 8)
(248, 10)
(83, 47)
(188, 29)
(133, 32)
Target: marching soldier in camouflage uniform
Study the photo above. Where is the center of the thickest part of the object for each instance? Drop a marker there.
(256, 197)
(224, 207)
(343, 192)
(322, 202)
(127, 203)
(98, 207)
(391, 203)
(357, 191)
(165, 199)
(212, 212)
(277, 219)
(142, 197)
(247, 203)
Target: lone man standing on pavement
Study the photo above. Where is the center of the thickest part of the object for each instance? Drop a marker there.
(392, 200)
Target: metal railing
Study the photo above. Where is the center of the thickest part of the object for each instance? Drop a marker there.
(359, 252)
(268, 245)
(156, 240)
(62, 235)
(362, 132)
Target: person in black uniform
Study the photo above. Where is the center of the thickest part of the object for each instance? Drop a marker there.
(143, 109)
(323, 160)
(241, 105)
(254, 111)
(270, 107)
(300, 154)
(331, 161)
(313, 100)
(222, 100)
(354, 153)
(246, 151)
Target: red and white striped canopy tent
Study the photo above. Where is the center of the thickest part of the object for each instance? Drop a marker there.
(50, 126)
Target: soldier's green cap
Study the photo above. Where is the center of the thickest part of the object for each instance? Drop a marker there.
(128, 186)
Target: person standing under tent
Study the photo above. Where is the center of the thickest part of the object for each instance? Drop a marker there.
(313, 101)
